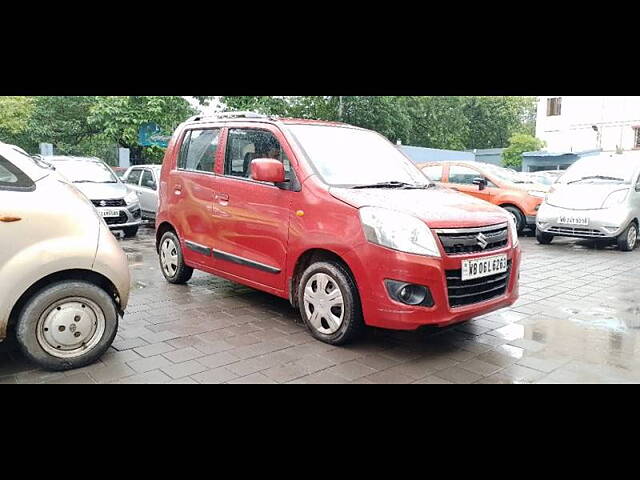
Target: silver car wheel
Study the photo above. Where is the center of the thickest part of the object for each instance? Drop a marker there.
(632, 236)
(70, 327)
(324, 303)
(169, 257)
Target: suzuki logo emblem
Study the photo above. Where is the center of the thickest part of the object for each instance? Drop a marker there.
(103, 203)
(482, 240)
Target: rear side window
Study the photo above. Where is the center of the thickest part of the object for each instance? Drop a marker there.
(134, 177)
(12, 178)
(433, 173)
(198, 151)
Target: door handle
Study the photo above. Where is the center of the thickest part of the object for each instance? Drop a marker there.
(177, 190)
(222, 198)
(9, 219)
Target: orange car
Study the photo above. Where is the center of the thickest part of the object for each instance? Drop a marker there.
(503, 187)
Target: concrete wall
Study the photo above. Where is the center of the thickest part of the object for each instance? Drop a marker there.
(572, 131)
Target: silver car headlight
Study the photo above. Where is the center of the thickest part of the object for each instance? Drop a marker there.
(513, 229)
(131, 198)
(399, 231)
(616, 198)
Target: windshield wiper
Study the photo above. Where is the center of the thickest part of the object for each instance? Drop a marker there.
(597, 177)
(395, 184)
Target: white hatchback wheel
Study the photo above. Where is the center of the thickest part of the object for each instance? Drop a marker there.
(632, 236)
(324, 304)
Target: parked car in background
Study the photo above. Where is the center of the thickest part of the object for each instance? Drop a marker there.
(144, 180)
(333, 218)
(501, 186)
(119, 171)
(119, 206)
(65, 279)
(597, 198)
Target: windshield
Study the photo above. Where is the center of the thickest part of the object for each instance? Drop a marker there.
(79, 171)
(507, 175)
(600, 170)
(349, 157)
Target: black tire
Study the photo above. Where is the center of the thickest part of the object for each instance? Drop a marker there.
(130, 232)
(37, 305)
(624, 242)
(543, 238)
(521, 220)
(183, 272)
(352, 323)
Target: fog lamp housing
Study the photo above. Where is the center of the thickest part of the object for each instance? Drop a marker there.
(409, 293)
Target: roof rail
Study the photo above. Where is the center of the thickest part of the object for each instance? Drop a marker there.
(196, 118)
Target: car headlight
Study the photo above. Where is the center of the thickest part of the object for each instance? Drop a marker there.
(131, 198)
(399, 231)
(537, 193)
(513, 229)
(616, 198)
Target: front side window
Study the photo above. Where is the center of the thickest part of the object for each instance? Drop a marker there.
(199, 149)
(12, 178)
(148, 181)
(134, 177)
(82, 171)
(246, 145)
(554, 106)
(462, 175)
(351, 157)
(433, 173)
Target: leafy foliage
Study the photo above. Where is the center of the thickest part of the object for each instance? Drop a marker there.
(518, 144)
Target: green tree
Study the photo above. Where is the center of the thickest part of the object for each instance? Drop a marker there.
(518, 144)
(118, 119)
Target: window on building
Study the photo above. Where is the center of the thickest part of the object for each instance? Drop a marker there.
(554, 106)
(636, 137)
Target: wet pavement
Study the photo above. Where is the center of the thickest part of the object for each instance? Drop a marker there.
(577, 321)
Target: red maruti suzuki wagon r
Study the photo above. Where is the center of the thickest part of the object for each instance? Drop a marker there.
(333, 217)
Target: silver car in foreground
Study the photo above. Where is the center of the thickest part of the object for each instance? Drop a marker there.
(144, 180)
(119, 206)
(597, 198)
(64, 280)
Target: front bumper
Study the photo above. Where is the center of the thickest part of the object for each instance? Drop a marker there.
(603, 223)
(130, 216)
(372, 265)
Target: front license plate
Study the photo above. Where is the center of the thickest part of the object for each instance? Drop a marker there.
(484, 267)
(573, 220)
(108, 212)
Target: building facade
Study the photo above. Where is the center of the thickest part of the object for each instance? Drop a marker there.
(572, 124)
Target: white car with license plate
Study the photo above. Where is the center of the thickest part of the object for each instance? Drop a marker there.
(118, 206)
(598, 198)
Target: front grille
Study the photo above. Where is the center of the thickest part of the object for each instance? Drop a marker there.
(109, 203)
(576, 232)
(116, 220)
(475, 291)
(464, 241)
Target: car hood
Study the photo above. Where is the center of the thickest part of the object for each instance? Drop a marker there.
(583, 196)
(528, 187)
(102, 191)
(438, 207)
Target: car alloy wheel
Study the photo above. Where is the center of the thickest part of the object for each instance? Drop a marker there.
(324, 304)
(632, 236)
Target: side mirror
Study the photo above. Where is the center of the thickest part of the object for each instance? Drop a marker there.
(481, 182)
(267, 170)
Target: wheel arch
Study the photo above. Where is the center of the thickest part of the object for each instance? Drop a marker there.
(305, 259)
(163, 228)
(89, 276)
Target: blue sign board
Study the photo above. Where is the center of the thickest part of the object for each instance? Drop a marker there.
(150, 134)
